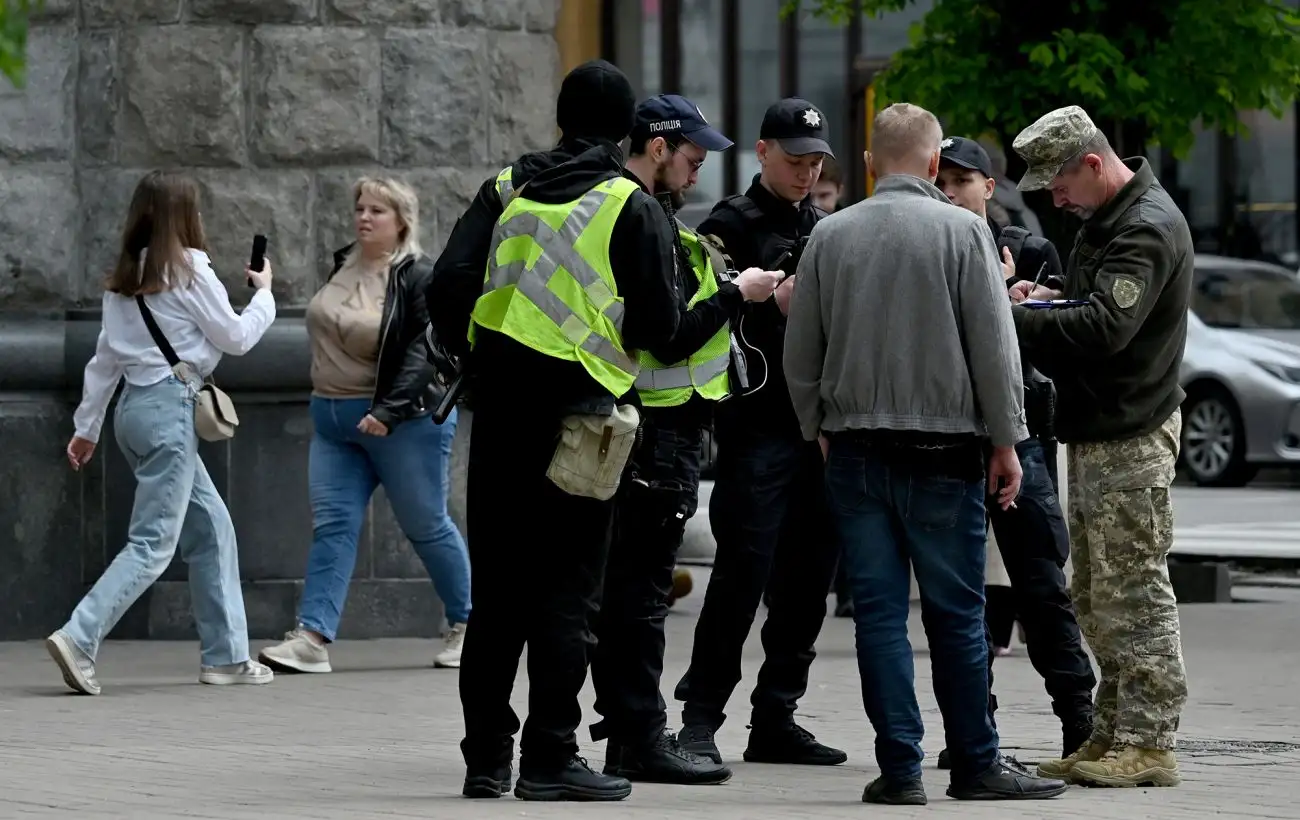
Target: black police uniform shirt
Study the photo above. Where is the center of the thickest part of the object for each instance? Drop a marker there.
(757, 237)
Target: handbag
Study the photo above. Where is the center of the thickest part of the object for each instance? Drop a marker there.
(593, 451)
(215, 418)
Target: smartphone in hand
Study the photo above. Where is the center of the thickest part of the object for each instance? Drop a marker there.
(258, 259)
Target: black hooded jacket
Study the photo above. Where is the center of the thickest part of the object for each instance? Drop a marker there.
(641, 259)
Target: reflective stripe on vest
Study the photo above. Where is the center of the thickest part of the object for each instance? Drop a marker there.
(675, 378)
(704, 372)
(593, 327)
(504, 185)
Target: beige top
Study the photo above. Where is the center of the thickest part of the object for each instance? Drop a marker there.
(343, 321)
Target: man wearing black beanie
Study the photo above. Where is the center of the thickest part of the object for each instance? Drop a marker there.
(579, 276)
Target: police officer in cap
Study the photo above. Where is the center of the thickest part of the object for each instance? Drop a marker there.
(1031, 536)
(679, 384)
(767, 510)
(562, 221)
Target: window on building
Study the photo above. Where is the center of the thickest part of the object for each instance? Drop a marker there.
(1265, 202)
(760, 79)
(823, 77)
(702, 84)
(889, 32)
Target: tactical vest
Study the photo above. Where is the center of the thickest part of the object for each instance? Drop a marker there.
(549, 285)
(705, 370)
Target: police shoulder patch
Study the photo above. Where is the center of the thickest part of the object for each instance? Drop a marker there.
(1126, 291)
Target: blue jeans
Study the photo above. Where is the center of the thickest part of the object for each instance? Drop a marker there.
(886, 517)
(176, 504)
(344, 468)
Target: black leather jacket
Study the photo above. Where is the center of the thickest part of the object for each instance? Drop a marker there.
(403, 382)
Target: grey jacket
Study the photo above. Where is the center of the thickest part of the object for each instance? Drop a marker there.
(900, 320)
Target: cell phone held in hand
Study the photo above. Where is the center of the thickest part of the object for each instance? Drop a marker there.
(257, 260)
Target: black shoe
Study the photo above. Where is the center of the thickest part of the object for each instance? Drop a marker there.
(945, 760)
(698, 740)
(790, 744)
(574, 781)
(895, 793)
(664, 761)
(487, 783)
(1007, 779)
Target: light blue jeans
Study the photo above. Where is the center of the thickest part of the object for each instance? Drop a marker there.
(176, 504)
(344, 468)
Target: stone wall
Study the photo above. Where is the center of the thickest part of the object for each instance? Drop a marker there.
(275, 107)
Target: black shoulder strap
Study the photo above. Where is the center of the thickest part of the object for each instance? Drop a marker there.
(156, 332)
(745, 206)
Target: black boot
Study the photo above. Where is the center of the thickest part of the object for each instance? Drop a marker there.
(945, 761)
(487, 782)
(664, 761)
(790, 744)
(573, 781)
(698, 740)
(892, 793)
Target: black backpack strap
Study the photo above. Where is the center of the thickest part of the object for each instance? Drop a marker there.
(156, 332)
(745, 206)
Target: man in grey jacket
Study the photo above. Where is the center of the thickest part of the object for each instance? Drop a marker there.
(901, 358)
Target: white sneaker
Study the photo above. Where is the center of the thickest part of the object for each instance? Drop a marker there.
(248, 672)
(298, 652)
(453, 643)
(78, 670)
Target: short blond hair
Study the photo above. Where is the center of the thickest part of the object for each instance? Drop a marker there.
(904, 135)
(402, 198)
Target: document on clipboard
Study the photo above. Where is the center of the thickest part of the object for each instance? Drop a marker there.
(1046, 304)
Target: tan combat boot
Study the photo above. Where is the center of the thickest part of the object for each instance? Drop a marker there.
(1091, 751)
(1131, 766)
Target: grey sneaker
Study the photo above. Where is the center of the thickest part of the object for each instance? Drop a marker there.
(248, 672)
(453, 643)
(298, 652)
(78, 669)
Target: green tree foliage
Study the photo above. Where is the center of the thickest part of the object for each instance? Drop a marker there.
(13, 37)
(1146, 68)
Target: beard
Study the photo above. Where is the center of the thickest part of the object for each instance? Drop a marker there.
(677, 197)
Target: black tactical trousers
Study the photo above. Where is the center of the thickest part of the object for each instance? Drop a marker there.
(656, 499)
(1035, 544)
(537, 557)
(768, 514)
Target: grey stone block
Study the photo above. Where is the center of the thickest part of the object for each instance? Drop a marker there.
(38, 210)
(445, 194)
(524, 69)
(53, 11)
(240, 203)
(1201, 582)
(253, 11)
(39, 566)
(98, 98)
(183, 98)
(166, 613)
(271, 609)
(36, 121)
(335, 226)
(510, 15)
(390, 609)
(130, 12)
(458, 469)
(317, 94)
(268, 490)
(102, 220)
(386, 12)
(435, 98)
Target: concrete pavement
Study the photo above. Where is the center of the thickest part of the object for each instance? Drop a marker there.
(378, 738)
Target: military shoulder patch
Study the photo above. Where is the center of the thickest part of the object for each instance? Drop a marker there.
(1126, 291)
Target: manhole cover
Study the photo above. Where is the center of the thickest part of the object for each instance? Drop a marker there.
(1265, 747)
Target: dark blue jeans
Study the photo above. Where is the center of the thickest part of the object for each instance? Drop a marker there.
(886, 518)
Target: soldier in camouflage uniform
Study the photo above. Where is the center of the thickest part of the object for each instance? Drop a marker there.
(1115, 359)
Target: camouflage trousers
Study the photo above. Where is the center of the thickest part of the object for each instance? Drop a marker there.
(1121, 525)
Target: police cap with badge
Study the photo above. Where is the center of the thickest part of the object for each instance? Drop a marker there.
(675, 118)
(798, 126)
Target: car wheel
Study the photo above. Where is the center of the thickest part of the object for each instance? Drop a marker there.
(1214, 440)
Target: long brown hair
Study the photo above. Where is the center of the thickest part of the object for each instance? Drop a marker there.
(163, 220)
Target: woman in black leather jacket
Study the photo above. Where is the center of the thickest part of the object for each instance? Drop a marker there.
(371, 403)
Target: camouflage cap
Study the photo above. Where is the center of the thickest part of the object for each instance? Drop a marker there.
(1055, 139)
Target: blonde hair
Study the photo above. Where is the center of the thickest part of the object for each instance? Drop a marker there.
(904, 135)
(402, 198)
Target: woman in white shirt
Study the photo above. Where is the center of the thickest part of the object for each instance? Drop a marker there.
(163, 268)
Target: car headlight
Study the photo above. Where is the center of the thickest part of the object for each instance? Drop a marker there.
(1288, 374)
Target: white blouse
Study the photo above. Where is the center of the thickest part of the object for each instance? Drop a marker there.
(196, 319)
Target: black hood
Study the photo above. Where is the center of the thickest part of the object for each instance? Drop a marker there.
(569, 170)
